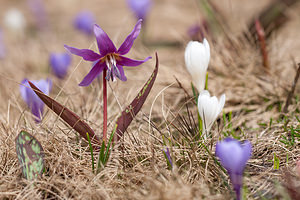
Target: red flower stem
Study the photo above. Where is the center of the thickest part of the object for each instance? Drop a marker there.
(263, 46)
(104, 106)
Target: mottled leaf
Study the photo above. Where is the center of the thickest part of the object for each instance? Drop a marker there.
(68, 116)
(130, 111)
(30, 155)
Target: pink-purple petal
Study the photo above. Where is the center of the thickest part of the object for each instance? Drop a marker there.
(104, 43)
(96, 69)
(124, 61)
(128, 42)
(86, 54)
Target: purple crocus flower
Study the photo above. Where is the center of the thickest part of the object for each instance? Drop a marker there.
(38, 10)
(84, 22)
(168, 156)
(140, 7)
(60, 63)
(234, 156)
(32, 100)
(109, 58)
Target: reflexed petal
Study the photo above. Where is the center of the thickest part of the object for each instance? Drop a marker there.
(86, 54)
(105, 44)
(122, 74)
(97, 69)
(130, 62)
(128, 42)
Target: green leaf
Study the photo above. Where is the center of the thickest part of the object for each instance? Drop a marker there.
(30, 155)
(68, 116)
(130, 111)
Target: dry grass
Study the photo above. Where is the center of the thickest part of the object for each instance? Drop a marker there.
(139, 171)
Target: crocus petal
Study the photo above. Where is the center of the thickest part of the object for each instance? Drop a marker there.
(32, 100)
(225, 150)
(86, 54)
(23, 86)
(60, 63)
(37, 109)
(197, 57)
(247, 150)
(221, 103)
(122, 73)
(84, 22)
(97, 69)
(234, 156)
(209, 108)
(104, 43)
(140, 7)
(124, 61)
(128, 42)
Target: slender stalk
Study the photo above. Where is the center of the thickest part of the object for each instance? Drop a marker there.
(263, 46)
(104, 106)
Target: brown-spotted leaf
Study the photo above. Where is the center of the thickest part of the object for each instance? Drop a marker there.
(68, 116)
(130, 111)
(30, 155)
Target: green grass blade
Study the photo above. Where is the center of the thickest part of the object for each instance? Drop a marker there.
(92, 152)
(109, 143)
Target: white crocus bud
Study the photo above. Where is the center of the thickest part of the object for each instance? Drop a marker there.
(14, 20)
(209, 108)
(197, 57)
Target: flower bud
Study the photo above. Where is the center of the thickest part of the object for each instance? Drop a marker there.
(209, 108)
(60, 63)
(197, 57)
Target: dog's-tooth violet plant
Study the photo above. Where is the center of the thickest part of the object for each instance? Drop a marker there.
(197, 56)
(85, 130)
(234, 156)
(209, 108)
(32, 100)
(110, 61)
(60, 63)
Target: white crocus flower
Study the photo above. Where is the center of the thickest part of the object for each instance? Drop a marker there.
(209, 108)
(197, 57)
(14, 20)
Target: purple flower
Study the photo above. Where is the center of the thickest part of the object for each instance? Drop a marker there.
(32, 100)
(2, 47)
(140, 7)
(198, 31)
(168, 157)
(234, 156)
(60, 63)
(84, 22)
(109, 58)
